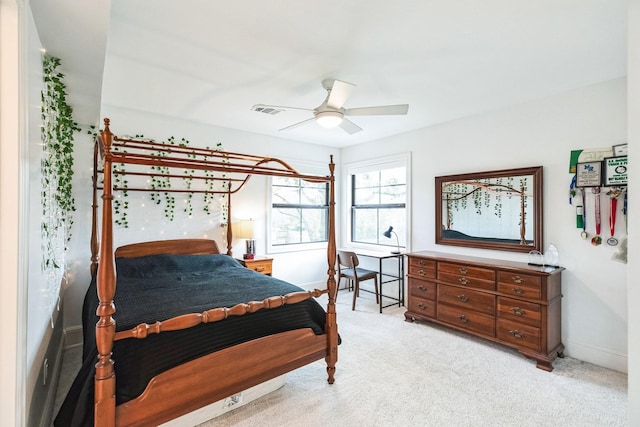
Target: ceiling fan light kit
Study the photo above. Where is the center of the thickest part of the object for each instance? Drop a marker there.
(331, 113)
(329, 119)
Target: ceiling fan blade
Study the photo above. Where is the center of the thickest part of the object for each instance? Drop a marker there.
(260, 107)
(350, 127)
(295, 125)
(382, 110)
(339, 93)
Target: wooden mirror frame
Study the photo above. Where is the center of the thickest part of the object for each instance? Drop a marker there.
(489, 242)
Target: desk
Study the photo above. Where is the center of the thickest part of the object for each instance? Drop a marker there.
(388, 277)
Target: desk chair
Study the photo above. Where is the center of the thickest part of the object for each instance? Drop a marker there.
(348, 269)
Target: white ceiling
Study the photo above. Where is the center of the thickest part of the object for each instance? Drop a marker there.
(211, 61)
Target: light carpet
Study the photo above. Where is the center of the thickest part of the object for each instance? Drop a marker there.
(396, 373)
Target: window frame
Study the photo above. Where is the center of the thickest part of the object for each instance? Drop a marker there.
(311, 168)
(374, 165)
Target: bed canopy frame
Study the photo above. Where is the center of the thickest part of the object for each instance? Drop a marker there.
(177, 391)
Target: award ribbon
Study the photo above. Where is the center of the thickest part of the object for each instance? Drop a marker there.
(584, 233)
(613, 194)
(597, 239)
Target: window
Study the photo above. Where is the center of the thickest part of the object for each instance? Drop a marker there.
(378, 199)
(299, 211)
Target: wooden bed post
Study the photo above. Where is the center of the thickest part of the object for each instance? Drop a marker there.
(94, 211)
(229, 230)
(331, 327)
(105, 380)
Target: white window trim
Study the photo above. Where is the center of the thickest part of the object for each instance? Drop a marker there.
(303, 166)
(386, 162)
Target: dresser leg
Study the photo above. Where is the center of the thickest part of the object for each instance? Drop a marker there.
(545, 365)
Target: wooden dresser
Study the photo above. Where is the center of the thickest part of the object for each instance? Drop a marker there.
(511, 303)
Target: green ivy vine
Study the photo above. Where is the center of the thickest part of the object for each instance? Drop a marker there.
(57, 132)
(160, 182)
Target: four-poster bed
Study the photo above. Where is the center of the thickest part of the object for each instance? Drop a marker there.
(215, 327)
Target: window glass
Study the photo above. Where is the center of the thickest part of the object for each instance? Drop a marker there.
(379, 201)
(299, 211)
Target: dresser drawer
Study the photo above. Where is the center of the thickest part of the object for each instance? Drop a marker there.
(418, 271)
(519, 334)
(422, 288)
(467, 319)
(422, 307)
(474, 277)
(519, 311)
(467, 298)
(261, 266)
(422, 263)
(521, 285)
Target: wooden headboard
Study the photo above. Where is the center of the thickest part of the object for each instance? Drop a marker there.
(176, 247)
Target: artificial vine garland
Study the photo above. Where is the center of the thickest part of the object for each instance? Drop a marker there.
(161, 181)
(58, 127)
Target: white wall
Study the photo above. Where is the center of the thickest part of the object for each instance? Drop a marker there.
(11, 119)
(305, 268)
(594, 317)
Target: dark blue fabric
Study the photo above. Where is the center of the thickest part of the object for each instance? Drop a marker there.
(158, 287)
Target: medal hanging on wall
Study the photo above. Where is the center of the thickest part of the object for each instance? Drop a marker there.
(596, 240)
(582, 216)
(613, 197)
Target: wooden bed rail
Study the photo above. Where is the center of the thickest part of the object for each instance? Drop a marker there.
(215, 315)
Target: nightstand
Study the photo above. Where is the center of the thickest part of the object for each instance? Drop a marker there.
(260, 264)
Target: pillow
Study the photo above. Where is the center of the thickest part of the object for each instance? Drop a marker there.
(163, 265)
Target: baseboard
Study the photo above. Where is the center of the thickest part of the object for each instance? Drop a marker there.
(44, 393)
(313, 285)
(598, 356)
(72, 336)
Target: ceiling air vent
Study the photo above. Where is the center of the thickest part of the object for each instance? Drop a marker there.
(266, 109)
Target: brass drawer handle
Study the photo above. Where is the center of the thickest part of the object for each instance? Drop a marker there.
(463, 270)
(518, 291)
(421, 272)
(516, 333)
(421, 262)
(464, 281)
(422, 306)
(423, 288)
(517, 279)
(259, 268)
(463, 298)
(463, 318)
(518, 311)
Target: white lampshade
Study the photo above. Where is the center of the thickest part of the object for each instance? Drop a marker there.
(245, 229)
(329, 119)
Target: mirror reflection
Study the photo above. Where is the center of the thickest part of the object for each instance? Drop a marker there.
(493, 210)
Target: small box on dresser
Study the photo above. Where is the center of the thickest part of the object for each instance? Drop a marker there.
(511, 303)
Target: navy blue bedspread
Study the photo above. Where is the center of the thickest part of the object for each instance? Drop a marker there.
(158, 287)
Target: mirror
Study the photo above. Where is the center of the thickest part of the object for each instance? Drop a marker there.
(500, 210)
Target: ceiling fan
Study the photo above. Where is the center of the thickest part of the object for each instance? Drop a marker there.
(331, 113)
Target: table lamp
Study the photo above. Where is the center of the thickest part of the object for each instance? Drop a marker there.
(387, 234)
(245, 231)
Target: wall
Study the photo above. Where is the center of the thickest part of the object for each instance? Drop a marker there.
(304, 268)
(11, 118)
(542, 132)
